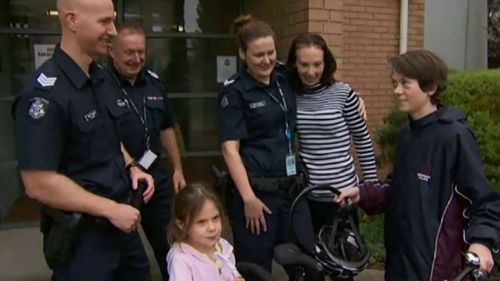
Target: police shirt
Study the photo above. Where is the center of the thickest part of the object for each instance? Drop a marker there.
(65, 122)
(253, 113)
(148, 97)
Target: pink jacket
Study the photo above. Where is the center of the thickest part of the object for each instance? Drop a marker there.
(187, 264)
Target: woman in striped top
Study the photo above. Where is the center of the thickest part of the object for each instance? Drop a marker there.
(327, 121)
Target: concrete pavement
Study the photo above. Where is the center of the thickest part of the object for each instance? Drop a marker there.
(21, 258)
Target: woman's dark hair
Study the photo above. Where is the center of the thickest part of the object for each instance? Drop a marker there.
(187, 204)
(247, 28)
(306, 40)
(424, 66)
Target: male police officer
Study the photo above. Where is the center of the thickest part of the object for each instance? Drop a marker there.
(70, 156)
(145, 130)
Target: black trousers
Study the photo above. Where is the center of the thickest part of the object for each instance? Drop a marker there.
(155, 216)
(105, 254)
(258, 249)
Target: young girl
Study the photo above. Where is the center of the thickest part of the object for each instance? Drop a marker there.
(198, 252)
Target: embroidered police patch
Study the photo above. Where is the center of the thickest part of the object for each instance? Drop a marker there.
(38, 108)
(224, 102)
(121, 102)
(90, 116)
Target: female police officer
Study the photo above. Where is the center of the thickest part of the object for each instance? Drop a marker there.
(256, 122)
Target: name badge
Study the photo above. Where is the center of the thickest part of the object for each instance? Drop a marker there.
(291, 167)
(147, 159)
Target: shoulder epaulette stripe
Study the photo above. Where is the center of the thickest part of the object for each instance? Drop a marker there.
(228, 82)
(154, 75)
(46, 81)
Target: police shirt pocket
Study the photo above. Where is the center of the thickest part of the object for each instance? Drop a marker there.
(118, 111)
(256, 108)
(87, 129)
(87, 125)
(156, 111)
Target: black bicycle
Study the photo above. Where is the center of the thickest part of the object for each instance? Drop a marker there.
(285, 255)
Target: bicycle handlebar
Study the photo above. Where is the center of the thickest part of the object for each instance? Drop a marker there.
(472, 269)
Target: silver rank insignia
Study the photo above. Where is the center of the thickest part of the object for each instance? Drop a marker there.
(46, 81)
(38, 108)
(224, 102)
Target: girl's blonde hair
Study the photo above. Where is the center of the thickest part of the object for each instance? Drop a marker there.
(187, 204)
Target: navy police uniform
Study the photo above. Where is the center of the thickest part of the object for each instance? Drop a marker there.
(256, 115)
(149, 113)
(65, 121)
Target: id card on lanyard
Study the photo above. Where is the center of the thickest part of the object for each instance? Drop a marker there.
(290, 163)
(149, 156)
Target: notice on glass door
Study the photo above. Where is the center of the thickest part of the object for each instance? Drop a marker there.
(42, 52)
(226, 66)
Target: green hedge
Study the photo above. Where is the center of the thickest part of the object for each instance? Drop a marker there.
(477, 94)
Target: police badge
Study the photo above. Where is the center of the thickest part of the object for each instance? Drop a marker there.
(38, 108)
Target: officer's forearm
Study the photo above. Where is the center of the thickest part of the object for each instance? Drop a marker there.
(60, 192)
(230, 151)
(169, 144)
(128, 159)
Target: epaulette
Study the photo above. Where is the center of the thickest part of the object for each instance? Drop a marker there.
(46, 76)
(280, 66)
(231, 80)
(228, 82)
(154, 77)
(152, 74)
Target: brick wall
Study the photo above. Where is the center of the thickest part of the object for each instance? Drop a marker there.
(288, 19)
(362, 34)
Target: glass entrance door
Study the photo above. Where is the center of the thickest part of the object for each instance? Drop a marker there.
(186, 42)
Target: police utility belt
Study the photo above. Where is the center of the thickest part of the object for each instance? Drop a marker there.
(291, 184)
(62, 229)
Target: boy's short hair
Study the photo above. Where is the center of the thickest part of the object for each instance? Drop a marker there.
(424, 66)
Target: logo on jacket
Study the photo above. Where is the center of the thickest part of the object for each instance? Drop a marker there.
(121, 102)
(425, 173)
(90, 116)
(38, 108)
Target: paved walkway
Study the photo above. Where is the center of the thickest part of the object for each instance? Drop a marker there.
(21, 258)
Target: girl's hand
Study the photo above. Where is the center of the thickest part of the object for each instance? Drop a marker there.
(254, 214)
(239, 278)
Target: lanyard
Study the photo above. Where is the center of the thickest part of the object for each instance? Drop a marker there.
(282, 104)
(142, 117)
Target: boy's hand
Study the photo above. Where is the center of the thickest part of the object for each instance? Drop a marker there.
(351, 194)
(485, 257)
